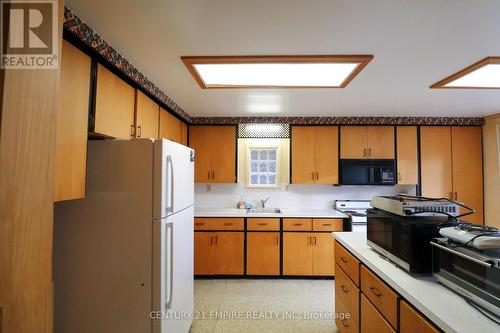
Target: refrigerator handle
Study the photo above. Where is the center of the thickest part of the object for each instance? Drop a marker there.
(170, 185)
(169, 265)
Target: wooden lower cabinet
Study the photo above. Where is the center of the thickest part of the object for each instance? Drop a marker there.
(306, 253)
(263, 253)
(346, 302)
(297, 253)
(413, 322)
(218, 253)
(371, 319)
(347, 319)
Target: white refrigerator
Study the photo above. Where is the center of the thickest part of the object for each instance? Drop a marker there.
(123, 255)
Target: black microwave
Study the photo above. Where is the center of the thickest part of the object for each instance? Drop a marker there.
(368, 172)
(404, 240)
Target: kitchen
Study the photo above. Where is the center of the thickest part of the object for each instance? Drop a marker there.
(173, 181)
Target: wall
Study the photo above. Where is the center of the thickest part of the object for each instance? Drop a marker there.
(288, 195)
(491, 151)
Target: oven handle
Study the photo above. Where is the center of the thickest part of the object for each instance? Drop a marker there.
(460, 254)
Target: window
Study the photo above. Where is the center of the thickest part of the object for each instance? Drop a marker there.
(263, 168)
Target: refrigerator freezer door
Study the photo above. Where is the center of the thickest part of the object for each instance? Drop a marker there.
(173, 178)
(173, 292)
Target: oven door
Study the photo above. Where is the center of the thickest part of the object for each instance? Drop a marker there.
(468, 273)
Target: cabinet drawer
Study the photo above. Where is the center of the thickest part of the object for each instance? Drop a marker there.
(346, 325)
(381, 295)
(346, 290)
(297, 224)
(372, 320)
(216, 223)
(328, 225)
(413, 322)
(263, 224)
(347, 262)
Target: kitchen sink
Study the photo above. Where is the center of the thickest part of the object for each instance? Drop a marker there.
(264, 211)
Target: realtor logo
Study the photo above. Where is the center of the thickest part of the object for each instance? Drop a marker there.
(29, 34)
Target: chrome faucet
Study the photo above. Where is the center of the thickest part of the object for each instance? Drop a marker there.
(263, 202)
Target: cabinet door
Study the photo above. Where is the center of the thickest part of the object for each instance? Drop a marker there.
(224, 154)
(203, 253)
(263, 253)
(468, 169)
(297, 253)
(170, 126)
(326, 150)
(72, 123)
(147, 114)
(184, 133)
(323, 256)
(200, 141)
(380, 142)
(435, 148)
(372, 320)
(412, 322)
(114, 105)
(353, 142)
(228, 253)
(407, 155)
(303, 167)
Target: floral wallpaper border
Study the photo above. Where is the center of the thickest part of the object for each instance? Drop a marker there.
(81, 30)
(449, 121)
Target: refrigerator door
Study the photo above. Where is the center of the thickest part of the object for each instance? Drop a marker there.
(173, 291)
(173, 178)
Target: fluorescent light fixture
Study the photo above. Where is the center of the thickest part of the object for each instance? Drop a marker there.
(483, 74)
(264, 128)
(275, 71)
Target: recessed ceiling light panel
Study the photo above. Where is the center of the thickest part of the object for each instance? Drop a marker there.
(275, 71)
(484, 74)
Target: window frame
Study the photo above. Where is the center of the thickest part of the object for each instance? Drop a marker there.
(248, 163)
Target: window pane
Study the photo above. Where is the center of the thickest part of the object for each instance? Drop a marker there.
(253, 167)
(272, 154)
(263, 167)
(263, 179)
(254, 179)
(272, 179)
(272, 167)
(254, 154)
(263, 155)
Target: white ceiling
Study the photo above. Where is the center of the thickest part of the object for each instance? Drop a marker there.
(415, 43)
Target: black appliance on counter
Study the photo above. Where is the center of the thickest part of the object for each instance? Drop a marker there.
(470, 268)
(404, 240)
(368, 172)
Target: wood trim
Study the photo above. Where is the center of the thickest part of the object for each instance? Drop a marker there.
(486, 61)
(190, 61)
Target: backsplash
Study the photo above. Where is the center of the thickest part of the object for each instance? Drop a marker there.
(291, 196)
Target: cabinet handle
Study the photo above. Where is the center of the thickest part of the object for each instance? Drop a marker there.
(344, 260)
(369, 152)
(399, 176)
(297, 224)
(450, 195)
(456, 196)
(213, 175)
(375, 291)
(262, 223)
(364, 152)
(132, 130)
(229, 223)
(211, 240)
(344, 323)
(309, 240)
(216, 239)
(140, 131)
(277, 240)
(312, 175)
(209, 175)
(344, 288)
(315, 240)
(326, 224)
(199, 223)
(317, 175)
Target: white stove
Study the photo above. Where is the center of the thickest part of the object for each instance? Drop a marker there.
(356, 209)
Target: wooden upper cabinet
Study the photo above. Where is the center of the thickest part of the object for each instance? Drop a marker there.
(146, 117)
(353, 142)
(303, 165)
(114, 106)
(184, 133)
(314, 155)
(170, 127)
(468, 169)
(72, 123)
(326, 149)
(367, 142)
(215, 148)
(436, 161)
(407, 149)
(380, 142)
